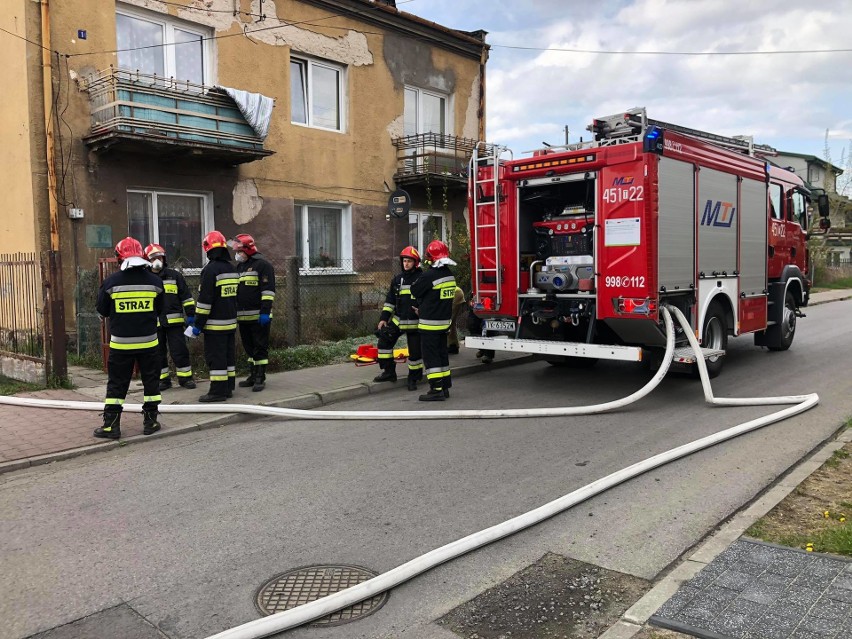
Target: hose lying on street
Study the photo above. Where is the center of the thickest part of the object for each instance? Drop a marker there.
(305, 613)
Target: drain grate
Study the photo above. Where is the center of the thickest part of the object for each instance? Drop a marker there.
(302, 585)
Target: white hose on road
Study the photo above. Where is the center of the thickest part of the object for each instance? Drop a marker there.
(305, 613)
(298, 413)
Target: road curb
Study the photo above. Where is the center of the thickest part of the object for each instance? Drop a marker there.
(638, 614)
(308, 401)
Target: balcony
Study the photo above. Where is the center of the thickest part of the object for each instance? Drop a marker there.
(433, 158)
(148, 114)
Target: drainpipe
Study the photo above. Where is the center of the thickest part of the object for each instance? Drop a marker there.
(57, 364)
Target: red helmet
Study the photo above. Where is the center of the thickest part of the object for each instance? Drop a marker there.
(437, 250)
(154, 250)
(245, 243)
(214, 239)
(411, 252)
(128, 247)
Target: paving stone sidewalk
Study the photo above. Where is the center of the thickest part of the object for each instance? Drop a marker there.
(755, 590)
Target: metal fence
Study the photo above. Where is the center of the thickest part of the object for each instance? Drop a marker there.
(21, 305)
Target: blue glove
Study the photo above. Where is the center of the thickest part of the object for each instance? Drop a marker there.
(264, 319)
(196, 331)
(190, 320)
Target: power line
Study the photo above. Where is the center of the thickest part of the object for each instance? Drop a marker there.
(681, 53)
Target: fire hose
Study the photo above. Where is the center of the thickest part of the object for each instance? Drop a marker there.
(318, 608)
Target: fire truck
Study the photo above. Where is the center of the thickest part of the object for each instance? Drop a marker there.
(575, 249)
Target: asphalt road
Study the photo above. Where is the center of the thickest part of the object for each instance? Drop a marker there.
(186, 529)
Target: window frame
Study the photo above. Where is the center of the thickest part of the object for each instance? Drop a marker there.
(169, 23)
(301, 208)
(309, 63)
(420, 215)
(206, 216)
(420, 92)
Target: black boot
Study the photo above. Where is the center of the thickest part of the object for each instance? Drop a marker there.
(434, 395)
(150, 424)
(249, 381)
(165, 383)
(412, 384)
(446, 393)
(205, 399)
(111, 428)
(188, 383)
(259, 378)
(388, 374)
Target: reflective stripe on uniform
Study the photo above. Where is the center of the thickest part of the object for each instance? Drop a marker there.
(388, 307)
(184, 371)
(188, 301)
(219, 376)
(131, 343)
(174, 318)
(415, 364)
(203, 309)
(267, 295)
(152, 398)
(385, 353)
(133, 288)
(232, 371)
(113, 401)
(164, 373)
(261, 362)
(220, 325)
(433, 325)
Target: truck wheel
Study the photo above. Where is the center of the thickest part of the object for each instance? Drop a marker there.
(715, 336)
(787, 327)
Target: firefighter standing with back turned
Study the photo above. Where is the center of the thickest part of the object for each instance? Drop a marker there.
(434, 292)
(255, 295)
(399, 317)
(216, 316)
(177, 300)
(132, 299)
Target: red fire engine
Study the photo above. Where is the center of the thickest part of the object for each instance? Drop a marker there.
(575, 249)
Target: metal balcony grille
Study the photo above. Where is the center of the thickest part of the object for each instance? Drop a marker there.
(423, 156)
(161, 113)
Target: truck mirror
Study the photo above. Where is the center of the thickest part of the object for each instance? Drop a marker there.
(824, 223)
(822, 206)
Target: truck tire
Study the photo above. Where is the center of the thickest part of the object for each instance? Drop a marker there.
(714, 335)
(786, 329)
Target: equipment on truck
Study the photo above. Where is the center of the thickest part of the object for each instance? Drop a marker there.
(574, 250)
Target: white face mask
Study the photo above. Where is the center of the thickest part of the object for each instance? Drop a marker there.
(240, 257)
(157, 264)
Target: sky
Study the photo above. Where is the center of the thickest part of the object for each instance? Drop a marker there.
(785, 100)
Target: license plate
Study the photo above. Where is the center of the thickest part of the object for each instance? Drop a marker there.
(500, 325)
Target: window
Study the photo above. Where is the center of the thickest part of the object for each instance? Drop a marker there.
(176, 221)
(775, 202)
(316, 94)
(425, 227)
(155, 43)
(324, 238)
(814, 174)
(425, 112)
(799, 210)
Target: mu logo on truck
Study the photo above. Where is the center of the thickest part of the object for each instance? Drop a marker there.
(718, 213)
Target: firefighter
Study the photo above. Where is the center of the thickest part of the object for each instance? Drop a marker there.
(132, 300)
(177, 301)
(434, 292)
(255, 295)
(399, 317)
(458, 309)
(216, 317)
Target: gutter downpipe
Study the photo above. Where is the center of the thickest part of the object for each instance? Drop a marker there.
(56, 363)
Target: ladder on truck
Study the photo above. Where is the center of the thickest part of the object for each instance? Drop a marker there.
(486, 279)
(630, 126)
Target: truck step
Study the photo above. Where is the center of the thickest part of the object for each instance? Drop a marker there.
(685, 354)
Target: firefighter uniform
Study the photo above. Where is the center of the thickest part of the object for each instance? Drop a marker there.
(434, 292)
(216, 317)
(177, 300)
(255, 295)
(402, 319)
(132, 300)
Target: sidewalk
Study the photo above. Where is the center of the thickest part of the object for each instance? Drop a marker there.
(32, 436)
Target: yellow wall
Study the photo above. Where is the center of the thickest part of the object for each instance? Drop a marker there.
(17, 220)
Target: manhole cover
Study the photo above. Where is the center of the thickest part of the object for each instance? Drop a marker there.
(301, 585)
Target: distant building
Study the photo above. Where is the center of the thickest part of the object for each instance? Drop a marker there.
(813, 170)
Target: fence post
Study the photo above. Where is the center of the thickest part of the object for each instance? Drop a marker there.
(292, 310)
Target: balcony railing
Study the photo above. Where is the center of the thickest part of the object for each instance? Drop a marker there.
(432, 157)
(147, 113)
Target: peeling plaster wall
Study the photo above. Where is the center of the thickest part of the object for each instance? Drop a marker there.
(246, 202)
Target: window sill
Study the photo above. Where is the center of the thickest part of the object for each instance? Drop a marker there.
(326, 271)
(316, 128)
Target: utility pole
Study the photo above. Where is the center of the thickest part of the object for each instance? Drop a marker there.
(57, 362)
